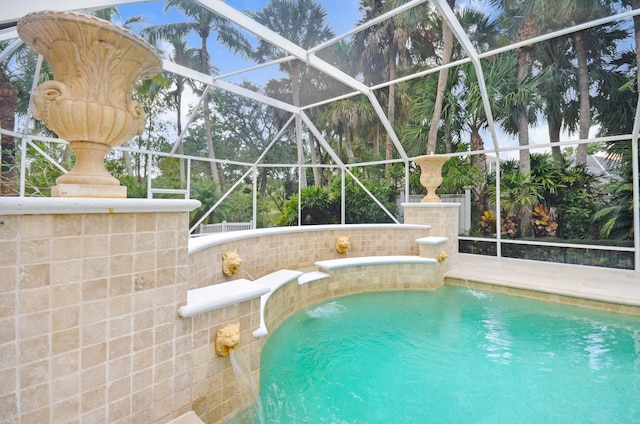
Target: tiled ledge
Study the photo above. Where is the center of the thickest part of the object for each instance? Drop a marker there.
(67, 205)
(217, 296)
(373, 260)
(200, 243)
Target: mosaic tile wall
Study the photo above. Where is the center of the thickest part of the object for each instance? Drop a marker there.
(88, 318)
(300, 250)
(443, 218)
(89, 323)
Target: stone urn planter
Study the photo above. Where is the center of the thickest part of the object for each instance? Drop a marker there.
(88, 103)
(431, 175)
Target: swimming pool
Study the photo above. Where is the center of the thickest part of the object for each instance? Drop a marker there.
(451, 356)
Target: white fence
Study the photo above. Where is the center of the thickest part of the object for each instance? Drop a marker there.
(223, 227)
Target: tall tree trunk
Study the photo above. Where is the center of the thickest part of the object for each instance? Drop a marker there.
(349, 145)
(262, 181)
(480, 160)
(523, 134)
(204, 68)
(8, 104)
(583, 84)
(128, 166)
(376, 141)
(443, 75)
(523, 108)
(314, 159)
(555, 126)
(295, 89)
(448, 144)
(212, 154)
(391, 105)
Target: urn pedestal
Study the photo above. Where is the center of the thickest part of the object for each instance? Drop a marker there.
(431, 175)
(88, 103)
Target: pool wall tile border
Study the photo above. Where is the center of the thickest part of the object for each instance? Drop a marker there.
(546, 296)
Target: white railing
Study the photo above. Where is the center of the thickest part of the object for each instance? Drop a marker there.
(223, 227)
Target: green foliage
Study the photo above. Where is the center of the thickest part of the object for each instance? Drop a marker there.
(318, 207)
(517, 189)
(360, 208)
(616, 218)
(321, 205)
(574, 216)
(136, 188)
(458, 173)
(205, 191)
(41, 174)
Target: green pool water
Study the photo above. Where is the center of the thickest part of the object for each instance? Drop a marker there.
(451, 356)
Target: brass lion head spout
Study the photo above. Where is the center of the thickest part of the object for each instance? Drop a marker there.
(227, 339)
(231, 263)
(342, 244)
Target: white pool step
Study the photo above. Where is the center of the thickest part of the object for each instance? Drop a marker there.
(209, 298)
(310, 277)
(273, 282)
(372, 260)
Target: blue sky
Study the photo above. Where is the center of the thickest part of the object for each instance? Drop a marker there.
(341, 17)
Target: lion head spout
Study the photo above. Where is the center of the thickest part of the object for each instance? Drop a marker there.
(342, 244)
(227, 339)
(231, 262)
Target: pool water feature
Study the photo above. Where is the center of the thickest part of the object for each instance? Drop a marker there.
(247, 386)
(448, 356)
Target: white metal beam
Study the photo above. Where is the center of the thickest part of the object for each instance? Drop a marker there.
(453, 23)
(239, 18)
(387, 126)
(636, 186)
(390, 14)
(342, 166)
(227, 86)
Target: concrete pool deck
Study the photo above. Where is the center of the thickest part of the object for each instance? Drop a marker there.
(576, 284)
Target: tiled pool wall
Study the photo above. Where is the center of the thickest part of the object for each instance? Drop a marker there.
(88, 318)
(89, 323)
(294, 249)
(297, 250)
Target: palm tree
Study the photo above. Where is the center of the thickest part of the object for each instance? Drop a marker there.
(556, 81)
(203, 23)
(382, 47)
(347, 117)
(579, 13)
(303, 23)
(447, 52)
(523, 20)
(183, 55)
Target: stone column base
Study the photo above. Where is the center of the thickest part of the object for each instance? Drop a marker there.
(443, 218)
(89, 190)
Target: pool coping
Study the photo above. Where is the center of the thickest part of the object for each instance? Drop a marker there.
(602, 288)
